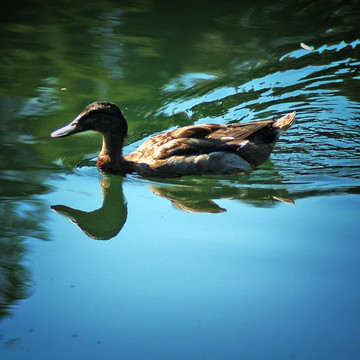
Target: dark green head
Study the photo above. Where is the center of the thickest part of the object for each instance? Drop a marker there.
(100, 116)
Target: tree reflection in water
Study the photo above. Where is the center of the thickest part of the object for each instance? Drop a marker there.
(20, 221)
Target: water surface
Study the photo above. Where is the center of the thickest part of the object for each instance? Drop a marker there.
(257, 266)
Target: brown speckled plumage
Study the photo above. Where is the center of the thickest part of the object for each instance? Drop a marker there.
(190, 150)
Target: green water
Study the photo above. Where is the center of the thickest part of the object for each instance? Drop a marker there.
(256, 266)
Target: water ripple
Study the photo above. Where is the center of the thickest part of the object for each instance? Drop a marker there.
(321, 151)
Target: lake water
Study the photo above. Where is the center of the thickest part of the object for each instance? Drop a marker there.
(262, 265)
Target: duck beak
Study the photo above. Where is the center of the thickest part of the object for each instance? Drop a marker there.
(67, 130)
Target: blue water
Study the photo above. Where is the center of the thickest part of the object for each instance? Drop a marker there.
(255, 266)
(249, 283)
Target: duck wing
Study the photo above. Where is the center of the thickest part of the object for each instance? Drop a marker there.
(199, 139)
(241, 131)
(190, 140)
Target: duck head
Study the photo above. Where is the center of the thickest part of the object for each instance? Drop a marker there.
(101, 116)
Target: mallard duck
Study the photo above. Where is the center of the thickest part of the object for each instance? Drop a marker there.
(189, 150)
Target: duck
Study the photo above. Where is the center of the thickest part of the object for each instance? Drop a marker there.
(191, 150)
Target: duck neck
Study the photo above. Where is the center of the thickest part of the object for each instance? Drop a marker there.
(111, 158)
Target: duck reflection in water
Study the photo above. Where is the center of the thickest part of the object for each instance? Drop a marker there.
(107, 221)
(194, 199)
